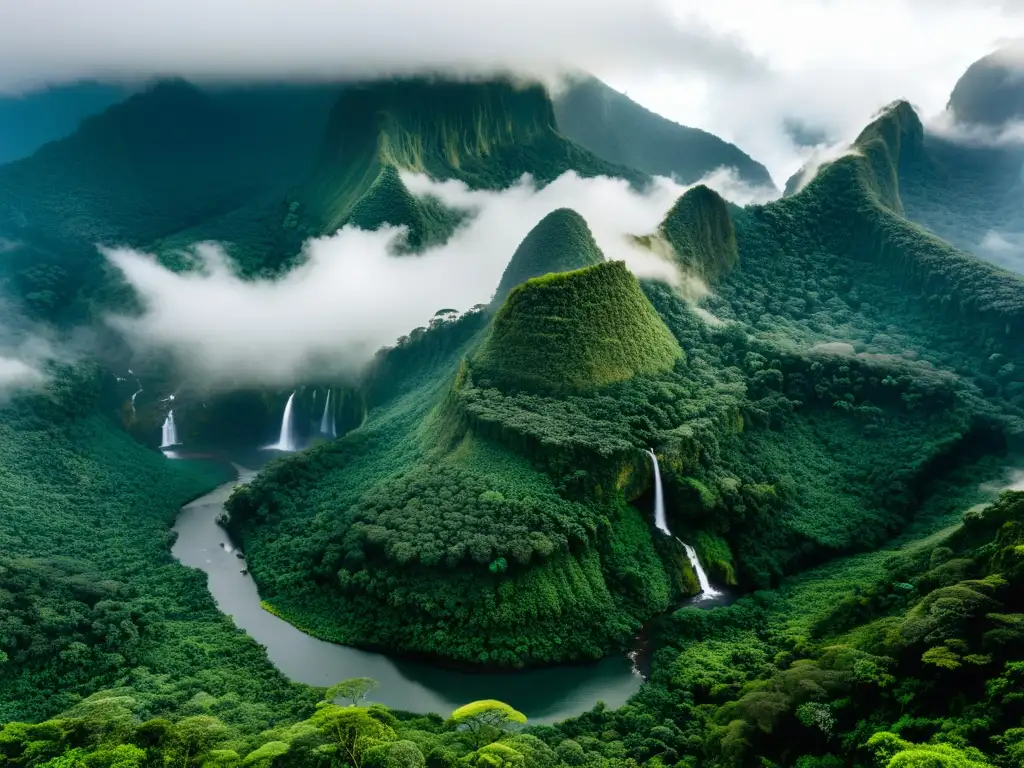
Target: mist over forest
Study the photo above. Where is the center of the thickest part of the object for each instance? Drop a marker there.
(511, 385)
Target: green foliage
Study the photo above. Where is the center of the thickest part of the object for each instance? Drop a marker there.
(89, 593)
(700, 230)
(485, 720)
(561, 242)
(575, 331)
(353, 691)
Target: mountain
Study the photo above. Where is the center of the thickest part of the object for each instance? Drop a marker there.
(561, 242)
(991, 91)
(833, 424)
(618, 129)
(28, 121)
(575, 331)
(965, 182)
(262, 168)
(699, 229)
(158, 164)
(487, 134)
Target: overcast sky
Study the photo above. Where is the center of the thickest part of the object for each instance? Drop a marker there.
(738, 68)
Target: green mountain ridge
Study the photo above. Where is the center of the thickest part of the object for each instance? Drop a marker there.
(618, 129)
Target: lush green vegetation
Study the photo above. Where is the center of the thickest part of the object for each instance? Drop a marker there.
(614, 127)
(919, 665)
(821, 420)
(561, 242)
(574, 331)
(701, 233)
(90, 596)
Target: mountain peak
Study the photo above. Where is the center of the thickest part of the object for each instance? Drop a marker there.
(613, 126)
(560, 242)
(700, 230)
(894, 138)
(575, 332)
(435, 126)
(991, 91)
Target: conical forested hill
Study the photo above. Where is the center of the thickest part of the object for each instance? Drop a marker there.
(576, 331)
(700, 230)
(615, 127)
(561, 242)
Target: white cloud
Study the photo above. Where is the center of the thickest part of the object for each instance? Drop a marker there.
(944, 124)
(353, 296)
(59, 40)
(17, 374)
(831, 65)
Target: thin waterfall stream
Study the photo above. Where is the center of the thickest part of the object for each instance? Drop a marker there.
(288, 439)
(169, 431)
(327, 422)
(706, 590)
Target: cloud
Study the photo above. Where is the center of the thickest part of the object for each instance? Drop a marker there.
(328, 316)
(945, 125)
(17, 374)
(831, 64)
(1005, 249)
(817, 157)
(45, 41)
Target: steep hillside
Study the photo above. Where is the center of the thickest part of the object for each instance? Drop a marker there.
(487, 134)
(262, 169)
(561, 242)
(991, 91)
(700, 231)
(961, 189)
(618, 129)
(575, 331)
(90, 595)
(30, 120)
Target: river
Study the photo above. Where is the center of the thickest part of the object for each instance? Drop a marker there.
(543, 695)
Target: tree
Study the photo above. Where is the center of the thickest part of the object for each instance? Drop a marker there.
(265, 755)
(353, 690)
(352, 731)
(484, 719)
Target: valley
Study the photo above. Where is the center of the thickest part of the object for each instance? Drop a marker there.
(767, 455)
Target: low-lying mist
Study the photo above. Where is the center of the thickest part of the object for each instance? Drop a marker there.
(353, 295)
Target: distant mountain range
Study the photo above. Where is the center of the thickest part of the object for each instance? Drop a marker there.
(964, 179)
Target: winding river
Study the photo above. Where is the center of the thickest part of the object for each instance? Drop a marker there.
(544, 695)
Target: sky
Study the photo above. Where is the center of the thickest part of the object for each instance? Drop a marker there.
(738, 68)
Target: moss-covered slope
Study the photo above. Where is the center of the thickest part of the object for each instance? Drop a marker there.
(561, 242)
(576, 331)
(700, 230)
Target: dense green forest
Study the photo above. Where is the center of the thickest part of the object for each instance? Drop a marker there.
(90, 596)
(831, 396)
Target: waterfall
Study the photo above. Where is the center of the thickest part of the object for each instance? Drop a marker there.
(706, 590)
(287, 440)
(659, 498)
(327, 422)
(169, 435)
